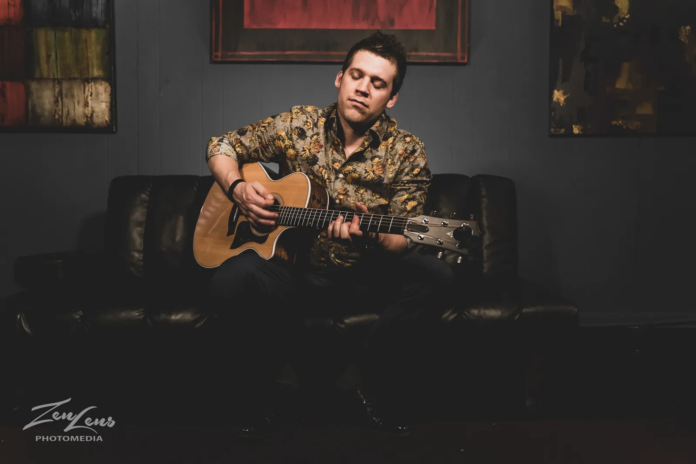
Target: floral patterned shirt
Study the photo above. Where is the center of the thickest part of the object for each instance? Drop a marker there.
(388, 173)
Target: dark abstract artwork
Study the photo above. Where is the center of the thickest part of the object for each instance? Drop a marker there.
(432, 31)
(56, 66)
(623, 67)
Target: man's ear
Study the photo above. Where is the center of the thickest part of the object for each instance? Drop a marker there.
(392, 101)
(338, 79)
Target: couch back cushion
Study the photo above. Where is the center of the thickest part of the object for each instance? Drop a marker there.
(150, 225)
(492, 202)
(496, 202)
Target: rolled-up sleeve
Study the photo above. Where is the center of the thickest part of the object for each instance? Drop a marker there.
(263, 141)
(410, 186)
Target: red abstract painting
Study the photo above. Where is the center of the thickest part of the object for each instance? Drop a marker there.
(339, 14)
(432, 31)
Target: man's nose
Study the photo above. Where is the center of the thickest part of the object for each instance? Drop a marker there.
(362, 86)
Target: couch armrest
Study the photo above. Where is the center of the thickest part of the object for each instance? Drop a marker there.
(57, 269)
(511, 300)
(541, 306)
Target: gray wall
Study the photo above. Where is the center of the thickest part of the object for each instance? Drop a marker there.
(603, 221)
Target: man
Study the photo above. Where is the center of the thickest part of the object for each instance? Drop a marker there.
(367, 165)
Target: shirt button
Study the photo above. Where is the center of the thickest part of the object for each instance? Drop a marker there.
(340, 176)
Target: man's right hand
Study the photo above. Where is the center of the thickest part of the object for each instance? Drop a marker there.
(252, 199)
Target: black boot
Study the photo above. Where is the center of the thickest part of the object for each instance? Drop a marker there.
(275, 408)
(259, 425)
(372, 416)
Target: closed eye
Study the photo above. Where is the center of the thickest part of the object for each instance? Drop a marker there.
(380, 83)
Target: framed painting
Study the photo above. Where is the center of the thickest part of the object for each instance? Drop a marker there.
(623, 68)
(432, 31)
(57, 69)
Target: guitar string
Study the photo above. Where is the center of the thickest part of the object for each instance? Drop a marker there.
(301, 214)
(307, 216)
(305, 219)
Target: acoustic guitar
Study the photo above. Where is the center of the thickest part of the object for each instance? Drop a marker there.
(222, 232)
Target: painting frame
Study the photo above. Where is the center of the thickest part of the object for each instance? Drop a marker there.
(112, 127)
(223, 49)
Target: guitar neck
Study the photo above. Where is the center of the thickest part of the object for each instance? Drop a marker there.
(320, 219)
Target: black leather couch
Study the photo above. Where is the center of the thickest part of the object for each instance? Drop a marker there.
(128, 329)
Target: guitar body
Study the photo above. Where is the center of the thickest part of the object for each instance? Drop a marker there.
(222, 232)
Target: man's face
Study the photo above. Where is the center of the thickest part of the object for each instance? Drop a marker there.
(364, 91)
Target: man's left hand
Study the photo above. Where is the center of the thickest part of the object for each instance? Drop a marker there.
(350, 231)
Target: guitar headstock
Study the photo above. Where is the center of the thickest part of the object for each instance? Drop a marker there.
(450, 234)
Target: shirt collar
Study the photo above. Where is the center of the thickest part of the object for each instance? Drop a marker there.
(378, 129)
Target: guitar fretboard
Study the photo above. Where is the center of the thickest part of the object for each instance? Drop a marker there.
(319, 219)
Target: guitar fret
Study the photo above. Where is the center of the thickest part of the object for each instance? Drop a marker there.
(380, 223)
(295, 212)
(368, 225)
(390, 225)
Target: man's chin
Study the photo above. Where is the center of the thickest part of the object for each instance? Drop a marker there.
(355, 116)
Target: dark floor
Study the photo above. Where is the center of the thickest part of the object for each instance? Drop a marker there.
(634, 441)
(621, 395)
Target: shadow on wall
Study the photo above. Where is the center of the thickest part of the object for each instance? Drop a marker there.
(90, 238)
(538, 252)
(6, 278)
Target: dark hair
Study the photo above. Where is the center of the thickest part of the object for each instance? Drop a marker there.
(384, 45)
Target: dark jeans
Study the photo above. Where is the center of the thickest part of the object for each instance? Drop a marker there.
(265, 304)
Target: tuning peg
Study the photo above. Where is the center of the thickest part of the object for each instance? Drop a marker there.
(459, 260)
(432, 213)
(462, 233)
(439, 255)
(452, 216)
